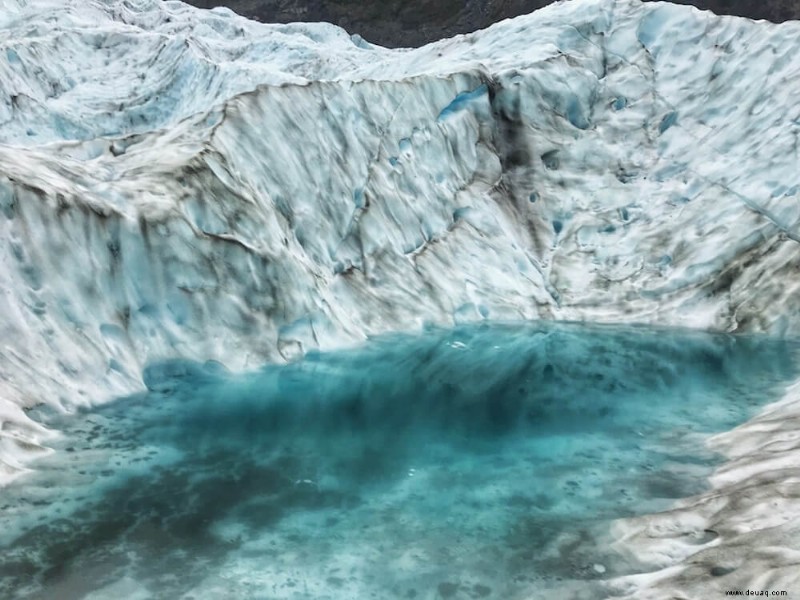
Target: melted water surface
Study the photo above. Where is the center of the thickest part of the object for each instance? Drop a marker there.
(480, 462)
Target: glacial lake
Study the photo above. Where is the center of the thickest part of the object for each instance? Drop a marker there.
(485, 461)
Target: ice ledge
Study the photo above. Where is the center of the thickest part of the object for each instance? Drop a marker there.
(739, 535)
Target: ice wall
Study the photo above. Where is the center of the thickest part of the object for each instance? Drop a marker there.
(185, 183)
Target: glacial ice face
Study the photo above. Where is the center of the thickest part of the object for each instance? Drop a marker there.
(184, 183)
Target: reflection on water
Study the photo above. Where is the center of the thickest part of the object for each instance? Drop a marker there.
(481, 462)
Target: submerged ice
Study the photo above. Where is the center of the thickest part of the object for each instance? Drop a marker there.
(483, 462)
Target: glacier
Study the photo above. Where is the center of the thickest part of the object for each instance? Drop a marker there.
(178, 183)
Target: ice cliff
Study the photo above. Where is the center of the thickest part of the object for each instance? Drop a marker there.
(185, 183)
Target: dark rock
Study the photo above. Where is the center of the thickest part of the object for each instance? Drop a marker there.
(405, 23)
(447, 589)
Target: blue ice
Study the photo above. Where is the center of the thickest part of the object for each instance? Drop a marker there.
(462, 100)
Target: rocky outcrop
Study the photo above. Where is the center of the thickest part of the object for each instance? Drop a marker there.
(404, 23)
